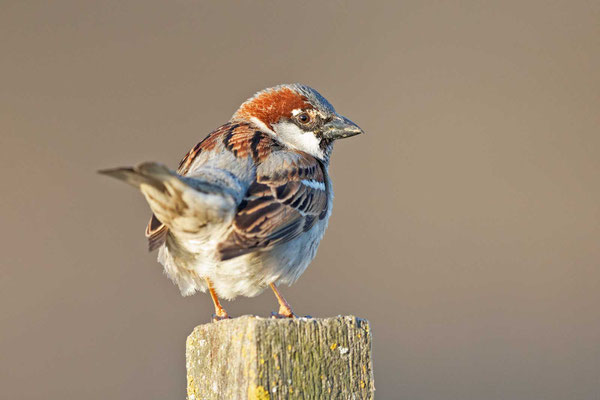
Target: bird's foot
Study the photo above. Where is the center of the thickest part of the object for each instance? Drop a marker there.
(216, 318)
(284, 312)
(281, 316)
(220, 315)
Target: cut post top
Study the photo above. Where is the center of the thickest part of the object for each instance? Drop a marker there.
(265, 358)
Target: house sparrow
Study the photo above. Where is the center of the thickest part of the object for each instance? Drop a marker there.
(249, 204)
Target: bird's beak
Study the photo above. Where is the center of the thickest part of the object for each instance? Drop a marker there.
(340, 127)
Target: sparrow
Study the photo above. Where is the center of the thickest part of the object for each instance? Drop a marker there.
(249, 204)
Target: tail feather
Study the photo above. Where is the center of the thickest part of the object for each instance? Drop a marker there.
(184, 205)
(146, 173)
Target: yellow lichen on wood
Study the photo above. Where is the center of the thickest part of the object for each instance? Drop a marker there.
(258, 393)
(192, 389)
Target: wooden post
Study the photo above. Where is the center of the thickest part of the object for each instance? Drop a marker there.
(264, 358)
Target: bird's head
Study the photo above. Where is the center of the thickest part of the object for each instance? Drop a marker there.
(299, 117)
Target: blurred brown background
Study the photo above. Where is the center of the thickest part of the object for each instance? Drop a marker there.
(466, 224)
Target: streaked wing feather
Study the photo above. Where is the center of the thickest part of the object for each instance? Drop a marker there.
(156, 232)
(239, 138)
(288, 197)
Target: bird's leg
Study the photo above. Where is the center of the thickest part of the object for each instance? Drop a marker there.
(220, 312)
(285, 311)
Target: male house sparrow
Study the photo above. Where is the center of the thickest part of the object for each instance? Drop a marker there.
(249, 204)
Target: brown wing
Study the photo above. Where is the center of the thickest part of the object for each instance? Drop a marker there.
(156, 232)
(239, 138)
(288, 197)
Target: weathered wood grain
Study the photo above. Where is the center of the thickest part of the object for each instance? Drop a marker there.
(302, 358)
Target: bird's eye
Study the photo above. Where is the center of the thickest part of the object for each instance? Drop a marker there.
(304, 118)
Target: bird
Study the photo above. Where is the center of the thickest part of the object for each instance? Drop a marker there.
(249, 204)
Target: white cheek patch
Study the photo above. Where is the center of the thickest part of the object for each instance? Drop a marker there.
(295, 137)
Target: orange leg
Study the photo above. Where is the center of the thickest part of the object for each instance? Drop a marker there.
(220, 312)
(285, 310)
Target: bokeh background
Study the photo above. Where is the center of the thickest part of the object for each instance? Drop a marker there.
(466, 224)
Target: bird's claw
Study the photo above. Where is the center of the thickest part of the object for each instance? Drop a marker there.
(280, 315)
(217, 318)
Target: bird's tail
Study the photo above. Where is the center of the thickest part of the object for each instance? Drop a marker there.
(148, 173)
(185, 205)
